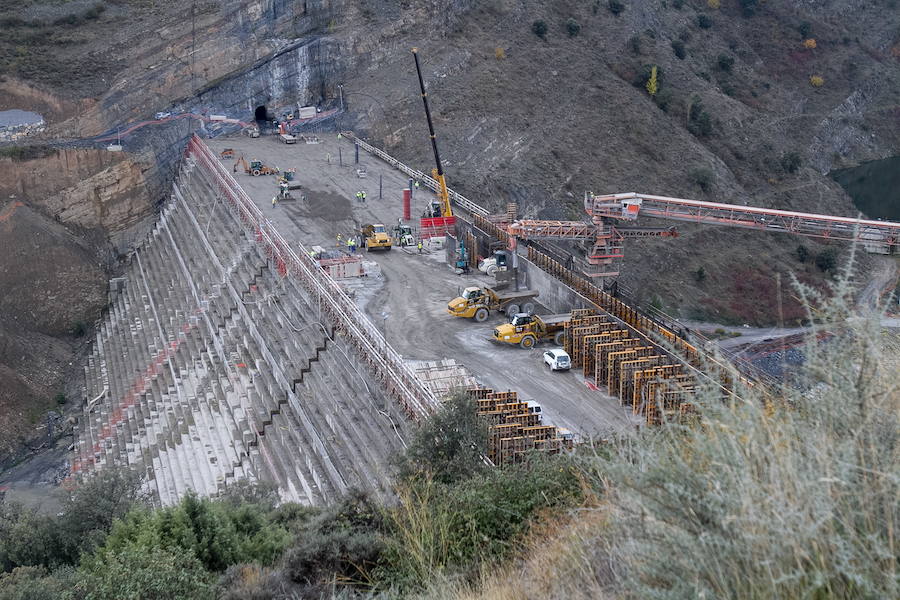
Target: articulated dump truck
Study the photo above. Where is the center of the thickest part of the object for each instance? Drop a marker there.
(527, 330)
(476, 303)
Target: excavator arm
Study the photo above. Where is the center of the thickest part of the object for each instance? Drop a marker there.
(438, 171)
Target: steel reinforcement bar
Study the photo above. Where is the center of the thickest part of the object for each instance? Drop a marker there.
(419, 176)
(387, 365)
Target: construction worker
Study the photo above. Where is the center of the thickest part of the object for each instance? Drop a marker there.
(358, 197)
(284, 188)
(351, 245)
(274, 199)
(363, 196)
(419, 246)
(340, 240)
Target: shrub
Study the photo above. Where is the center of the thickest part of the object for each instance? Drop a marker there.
(790, 162)
(703, 21)
(748, 7)
(678, 47)
(572, 27)
(678, 4)
(344, 541)
(36, 583)
(218, 534)
(702, 177)
(814, 516)
(634, 42)
(699, 121)
(616, 6)
(700, 275)
(437, 528)
(539, 28)
(449, 446)
(817, 81)
(802, 253)
(251, 582)
(826, 260)
(713, 4)
(28, 538)
(60, 398)
(663, 99)
(499, 53)
(725, 62)
(21, 153)
(809, 43)
(79, 328)
(804, 28)
(138, 572)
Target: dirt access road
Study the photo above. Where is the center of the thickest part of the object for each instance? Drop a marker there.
(406, 294)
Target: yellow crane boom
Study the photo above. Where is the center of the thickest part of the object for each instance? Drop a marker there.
(438, 171)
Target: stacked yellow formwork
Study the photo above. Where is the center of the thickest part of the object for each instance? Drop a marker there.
(645, 379)
(514, 427)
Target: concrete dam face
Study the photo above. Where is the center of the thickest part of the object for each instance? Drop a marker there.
(223, 357)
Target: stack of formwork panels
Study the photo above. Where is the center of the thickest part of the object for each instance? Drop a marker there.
(645, 378)
(515, 427)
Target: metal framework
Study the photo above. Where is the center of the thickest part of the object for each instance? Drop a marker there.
(395, 375)
(881, 237)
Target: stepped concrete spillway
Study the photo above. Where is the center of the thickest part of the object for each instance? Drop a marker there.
(218, 362)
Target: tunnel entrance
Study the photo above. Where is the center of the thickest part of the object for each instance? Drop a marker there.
(262, 115)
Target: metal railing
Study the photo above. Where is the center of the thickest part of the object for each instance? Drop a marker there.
(455, 197)
(387, 365)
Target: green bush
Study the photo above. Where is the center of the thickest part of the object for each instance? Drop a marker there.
(804, 28)
(79, 328)
(449, 446)
(678, 47)
(634, 42)
(141, 572)
(23, 153)
(28, 538)
(699, 121)
(700, 275)
(678, 4)
(748, 7)
(539, 28)
(663, 99)
(826, 260)
(36, 583)
(217, 534)
(702, 177)
(704, 21)
(802, 253)
(573, 27)
(616, 6)
(345, 541)
(725, 62)
(790, 162)
(446, 529)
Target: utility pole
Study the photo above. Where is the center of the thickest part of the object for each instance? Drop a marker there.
(341, 93)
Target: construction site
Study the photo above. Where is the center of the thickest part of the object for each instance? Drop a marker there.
(304, 301)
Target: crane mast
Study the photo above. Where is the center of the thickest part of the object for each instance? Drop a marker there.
(438, 172)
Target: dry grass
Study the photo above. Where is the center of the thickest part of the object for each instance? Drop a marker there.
(795, 501)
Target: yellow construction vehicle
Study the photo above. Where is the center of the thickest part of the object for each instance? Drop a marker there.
(527, 330)
(255, 168)
(476, 303)
(440, 208)
(376, 237)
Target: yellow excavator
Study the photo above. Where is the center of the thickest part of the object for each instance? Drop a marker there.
(440, 207)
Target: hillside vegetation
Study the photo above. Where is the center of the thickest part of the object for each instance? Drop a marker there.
(788, 495)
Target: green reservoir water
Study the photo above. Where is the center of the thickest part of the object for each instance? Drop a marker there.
(874, 187)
